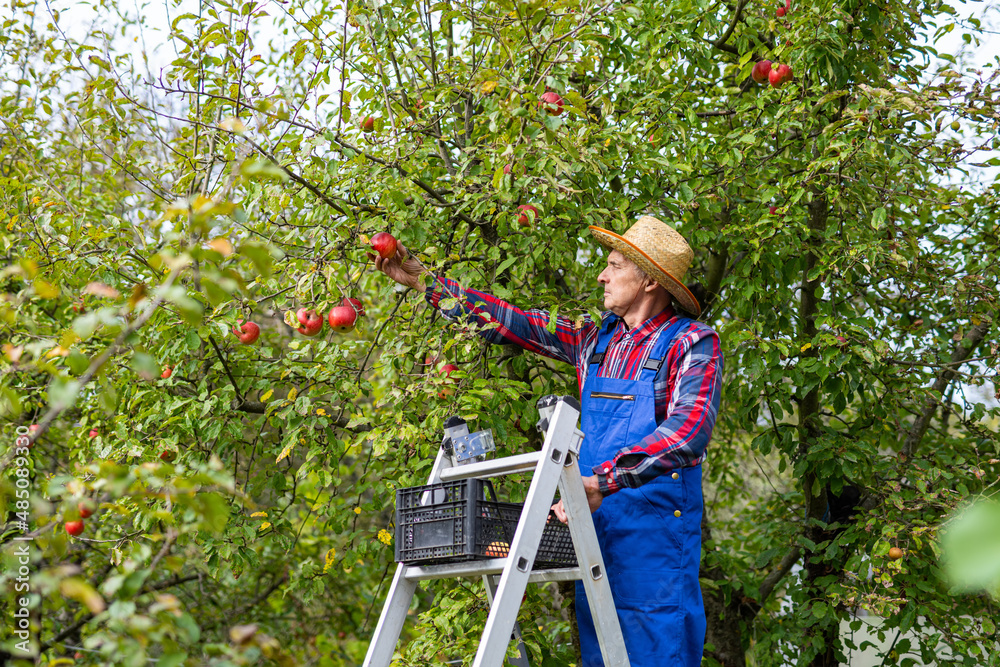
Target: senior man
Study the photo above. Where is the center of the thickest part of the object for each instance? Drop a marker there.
(650, 378)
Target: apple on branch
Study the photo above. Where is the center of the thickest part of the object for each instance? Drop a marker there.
(86, 508)
(780, 76)
(167, 372)
(342, 318)
(368, 124)
(526, 215)
(93, 433)
(552, 102)
(247, 332)
(760, 71)
(446, 370)
(74, 528)
(311, 323)
(355, 304)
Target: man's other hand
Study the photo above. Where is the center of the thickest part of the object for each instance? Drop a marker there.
(594, 498)
(402, 267)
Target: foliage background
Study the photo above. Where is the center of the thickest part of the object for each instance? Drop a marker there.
(175, 195)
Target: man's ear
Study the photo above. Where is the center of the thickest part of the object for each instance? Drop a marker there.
(650, 285)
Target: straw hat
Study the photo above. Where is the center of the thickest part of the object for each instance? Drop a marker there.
(659, 251)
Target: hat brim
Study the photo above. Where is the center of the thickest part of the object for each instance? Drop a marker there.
(664, 278)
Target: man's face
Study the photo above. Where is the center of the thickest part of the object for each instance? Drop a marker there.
(623, 283)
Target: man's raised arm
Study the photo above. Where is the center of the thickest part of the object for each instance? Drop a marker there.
(499, 321)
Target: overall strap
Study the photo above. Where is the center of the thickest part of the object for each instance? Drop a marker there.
(663, 345)
(603, 340)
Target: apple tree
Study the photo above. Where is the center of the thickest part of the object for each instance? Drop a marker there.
(170, 175)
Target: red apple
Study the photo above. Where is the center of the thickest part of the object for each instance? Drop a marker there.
(79, 306)
(93, 433)
(781, 12)
(780, 76)
(384, 244)
(355, 304)
(77, 655)
(168, 455)
(368, 124)
(310, 321)
(446, 371)
(247, 332)
(527, 213)
(552, 103)
(167, 372)
(342, 318)
(760, 71)
(74, 528)
(85, 508)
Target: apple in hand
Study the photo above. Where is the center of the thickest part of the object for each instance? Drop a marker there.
(167, 372)
(74, 528)
(780, 76)
(384, 244)
(368, 124)
(85, 508)
(247, 332)
(552, 103)
(342, 318)
(526, 214)
(760, 71)
(310, 321)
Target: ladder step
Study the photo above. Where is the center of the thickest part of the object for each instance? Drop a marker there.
(475, 568)
(506, 466)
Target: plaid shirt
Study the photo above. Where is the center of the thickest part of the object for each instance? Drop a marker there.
(686, 396)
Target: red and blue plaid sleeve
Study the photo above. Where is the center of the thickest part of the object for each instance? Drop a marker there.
(501, 322)
(693, 387)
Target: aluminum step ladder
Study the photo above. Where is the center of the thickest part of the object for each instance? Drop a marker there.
(553, 467)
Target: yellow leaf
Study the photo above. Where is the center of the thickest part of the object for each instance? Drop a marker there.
(487, 87)
(805, 347)
(266, 395)
(82, 592)
(330, 555)
(46, 290)
(293, 393)
(234, 124)
(57, 351)
(265, 525)
(285, 452)
(221, 246)
(256, 514)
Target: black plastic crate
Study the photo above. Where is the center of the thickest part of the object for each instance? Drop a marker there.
(453, 521)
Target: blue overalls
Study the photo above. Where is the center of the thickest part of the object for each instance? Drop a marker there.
(650, 537)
